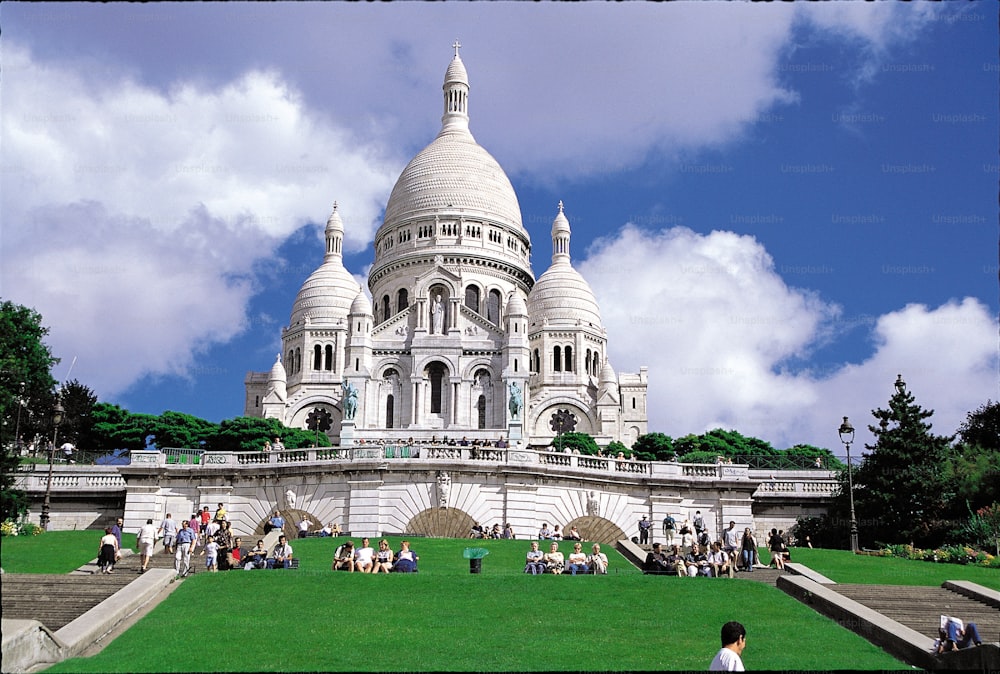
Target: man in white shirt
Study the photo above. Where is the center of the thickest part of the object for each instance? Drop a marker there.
(281, 558)
(731, 542)
(146, 539)
(363, 557)
(734, 640)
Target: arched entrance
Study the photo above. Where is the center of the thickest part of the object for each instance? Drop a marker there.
(441, 523)
(597, 529)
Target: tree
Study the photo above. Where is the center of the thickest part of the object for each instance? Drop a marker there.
(654, 447)
(175, 429)
(573, 440)
(809, 453)
(901, 492)
(116, 428)
(981, 428)
(26, 394)
(247, 434)
(78, 407)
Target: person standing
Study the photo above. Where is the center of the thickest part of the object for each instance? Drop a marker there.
(107, 551)
(185, 546)
(146, 539)
(748, 550)
(668, 529)
(117, 531)
(731, 542)
(169, 528)
(644, 527)
(734, 640)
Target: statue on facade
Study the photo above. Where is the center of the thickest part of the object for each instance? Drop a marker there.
(437, 315)
(444, 486)
(593, 505)
(516, 400)
(290, 500)
(350, 400)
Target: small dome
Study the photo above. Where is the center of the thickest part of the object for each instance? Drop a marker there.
(608, 373)
(334, 223)
(562, 297)
(516, 306)
(456, 72)
(561, 224)
(361, 305)
(277, 371)
(327, 295)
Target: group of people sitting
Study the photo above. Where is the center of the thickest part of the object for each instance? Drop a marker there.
(554, 562)
(280, 557)
(368, 560)
(546, 534)
(713, 559)
(479, 531)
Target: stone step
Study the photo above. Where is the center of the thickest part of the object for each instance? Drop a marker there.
(920, 608)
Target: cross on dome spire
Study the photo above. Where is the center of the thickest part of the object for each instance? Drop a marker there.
(457, 46)
(560, 206)
(456, 95)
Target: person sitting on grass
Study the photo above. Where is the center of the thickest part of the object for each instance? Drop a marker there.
(554, 560)
(281, 558)
(383, 558)
(656, 561)
(597, 561)
(533, 560)
(578, 560)
(697, 563)
(343, 558)
(256, 558)
(573, 535)
(363, 557)
(719, 561)
(406, 559)
(545, 533)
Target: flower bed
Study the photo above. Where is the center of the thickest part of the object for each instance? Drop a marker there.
(947, 554)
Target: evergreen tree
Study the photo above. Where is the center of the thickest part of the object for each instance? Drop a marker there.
(654, 447)
(901, 492)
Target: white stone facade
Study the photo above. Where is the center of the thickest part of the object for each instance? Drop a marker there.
(459, 339)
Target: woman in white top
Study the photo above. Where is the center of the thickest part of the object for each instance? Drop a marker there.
(554, 560)
(108, 550)
(383, 558)
(578, 560)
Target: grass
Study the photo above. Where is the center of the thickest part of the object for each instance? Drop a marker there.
(52, 552)
(446, 619)
(841, 566)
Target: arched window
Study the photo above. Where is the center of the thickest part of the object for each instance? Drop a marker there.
(472, 298)
(290, 362)
(515, 365)
(569, 358)
(385, 307)
(317, 357)
(402, 300)
(389, 401)
(493, 307)
(586, 362)
(538, 362)
(435, 372)
(595, 364)
(329, 358)
(481, 409)
(298, 360)
(557, 359)
(633, 402)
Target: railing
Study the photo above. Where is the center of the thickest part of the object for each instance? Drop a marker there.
(70, 478)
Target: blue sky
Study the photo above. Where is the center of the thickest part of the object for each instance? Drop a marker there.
(779, 207)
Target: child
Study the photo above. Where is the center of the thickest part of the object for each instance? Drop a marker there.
(212, 550)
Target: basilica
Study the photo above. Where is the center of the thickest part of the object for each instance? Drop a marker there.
(459, 339)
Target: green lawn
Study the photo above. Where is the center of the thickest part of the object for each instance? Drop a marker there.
(843, 567)
(446, 619)
(53, 552)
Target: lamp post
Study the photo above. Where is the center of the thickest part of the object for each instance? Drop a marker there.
(57, 418)
(847, 437)
(17, 424)
(900, 384)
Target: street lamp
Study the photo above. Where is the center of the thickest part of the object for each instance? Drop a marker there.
(847, 437)
(17, 424)
(900, 384)
(57, 418)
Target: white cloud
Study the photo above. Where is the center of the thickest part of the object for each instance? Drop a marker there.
(132, 217)
(714, 322)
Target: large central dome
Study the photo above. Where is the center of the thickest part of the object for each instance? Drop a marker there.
(454, 175)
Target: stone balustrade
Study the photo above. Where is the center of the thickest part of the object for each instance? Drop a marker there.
(74, 478)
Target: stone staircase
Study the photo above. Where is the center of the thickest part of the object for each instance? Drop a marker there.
(57, 600)
(921, 608)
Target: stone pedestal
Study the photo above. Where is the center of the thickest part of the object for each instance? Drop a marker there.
(514, 432)
(347, 433)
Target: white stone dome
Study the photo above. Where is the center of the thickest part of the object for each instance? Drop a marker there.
(561, 296)
(361, 305)
(516, 306)
(453, 175)
(327, 295)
